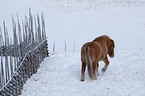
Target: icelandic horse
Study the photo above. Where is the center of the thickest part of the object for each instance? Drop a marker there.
(92, 52)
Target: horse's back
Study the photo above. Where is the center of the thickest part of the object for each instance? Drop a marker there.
(95, 50)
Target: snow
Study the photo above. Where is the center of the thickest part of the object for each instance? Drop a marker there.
(60, 75)
(80, 21)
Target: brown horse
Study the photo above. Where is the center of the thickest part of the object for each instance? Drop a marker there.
(95, 51)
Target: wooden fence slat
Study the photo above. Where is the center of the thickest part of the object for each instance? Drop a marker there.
(1, 71)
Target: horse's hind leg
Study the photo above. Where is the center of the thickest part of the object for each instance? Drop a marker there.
(83, 70)
(94, 71)
(97, 69)
(106, 64)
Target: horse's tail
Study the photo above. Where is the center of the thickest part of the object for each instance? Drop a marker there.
(89, 62)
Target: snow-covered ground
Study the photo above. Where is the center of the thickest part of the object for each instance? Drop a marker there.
(80, 21)
(59, 75)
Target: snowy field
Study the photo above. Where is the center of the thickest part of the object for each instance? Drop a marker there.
(80, 21)
(59, 75)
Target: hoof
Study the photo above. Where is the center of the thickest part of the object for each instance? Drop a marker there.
(82, 80)
(94, 78)
(103, 70)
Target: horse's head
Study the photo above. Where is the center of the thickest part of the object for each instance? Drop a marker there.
(111, 48)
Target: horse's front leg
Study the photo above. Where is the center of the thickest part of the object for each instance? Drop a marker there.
(106, 64)
(83, 70)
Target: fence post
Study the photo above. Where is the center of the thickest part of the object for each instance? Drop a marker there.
(2, 71)
(26, 30)
(31, 26)
(43, 26)
(54, 46)
(15, 43)
(64, 45)
(20, 40)
(11, 61)
(39, 30)
(6, 54)
(74, 47)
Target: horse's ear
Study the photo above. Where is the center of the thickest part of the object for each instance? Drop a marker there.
(111, 49)
(113, 44)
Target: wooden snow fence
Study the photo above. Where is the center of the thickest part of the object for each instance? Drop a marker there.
(20, 60)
